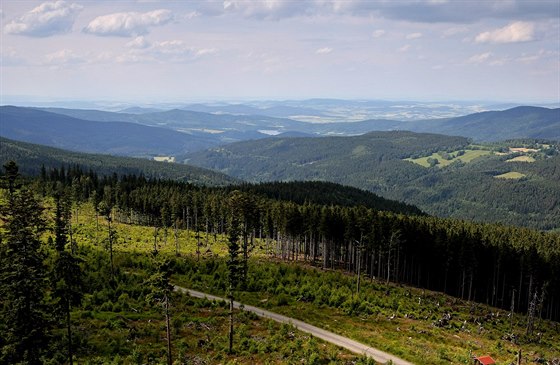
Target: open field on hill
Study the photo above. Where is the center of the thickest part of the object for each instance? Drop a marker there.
(446, 159)
(513, 175)
(522, 159)
(418, 325)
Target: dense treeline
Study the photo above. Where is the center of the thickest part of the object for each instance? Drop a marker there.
(31, 157)
(487, 263)
(326, 193)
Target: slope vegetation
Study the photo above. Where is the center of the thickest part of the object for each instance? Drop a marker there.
(31, 158)
(519, 122)
(376, 162)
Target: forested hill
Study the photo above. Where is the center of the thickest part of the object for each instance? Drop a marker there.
(116, 138)
(519, 122)
(467, 181)
(326, 193)
(336, 159)
(31, 158)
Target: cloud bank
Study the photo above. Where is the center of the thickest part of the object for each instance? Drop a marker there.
(45, 20)
(129, 24)
(513, 33)
(434, 11)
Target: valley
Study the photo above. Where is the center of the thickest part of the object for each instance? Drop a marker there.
(316, 182)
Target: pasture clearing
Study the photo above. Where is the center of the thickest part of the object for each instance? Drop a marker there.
(512, 175)
(468, 156)
(522, 159)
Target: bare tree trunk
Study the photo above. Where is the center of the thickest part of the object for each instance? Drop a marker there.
(69, 331)
(231, 323)
(359, 270)
(96, 228)
(111, 249)
(155, 239)
(176, 239)
(168, 329)
(389, 266)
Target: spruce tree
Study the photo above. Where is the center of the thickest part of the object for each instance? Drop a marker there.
(160, 293)
(235, 267)
(67, 275)
(25, 320)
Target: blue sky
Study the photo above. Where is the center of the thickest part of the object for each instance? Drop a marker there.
(156, 51)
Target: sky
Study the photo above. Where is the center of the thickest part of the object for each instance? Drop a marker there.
(166, 51)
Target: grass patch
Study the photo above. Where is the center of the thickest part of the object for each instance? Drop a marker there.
(467, 157)
(512, 175)
(522, 159)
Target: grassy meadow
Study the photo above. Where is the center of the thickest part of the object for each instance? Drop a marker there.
(468, 156)
(420, 326)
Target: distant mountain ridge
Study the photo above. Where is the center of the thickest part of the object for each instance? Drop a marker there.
(177, 132)
(518, 122)
(514, 123)
(117, 138)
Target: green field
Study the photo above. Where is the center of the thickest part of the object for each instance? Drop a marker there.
(522, 159)
(467, 157)
(512, 175)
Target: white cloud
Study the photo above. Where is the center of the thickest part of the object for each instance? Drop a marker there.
(413, 35)
(138, 43)
(479, 58)
(205, 51)
(498, 62)
(128, 24)
(192, 14)
(512, 33)
(142, 51)
(45, 20)
(450, 32)
(529, 58)
(378, 33)
(324, 50)
(404, 48)
(270, 9)
(62, 58)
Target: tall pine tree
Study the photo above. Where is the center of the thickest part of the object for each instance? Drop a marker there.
(23, 273)
(67, 276)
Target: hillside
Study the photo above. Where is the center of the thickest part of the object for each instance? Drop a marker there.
(117, 138)
(425, 292)
(519, 122)
(31, 157)
(378, 162)
(326, 193)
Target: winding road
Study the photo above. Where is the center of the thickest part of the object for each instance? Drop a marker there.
(349, 344)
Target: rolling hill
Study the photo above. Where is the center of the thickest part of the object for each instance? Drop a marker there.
(31, 158)
(117, 138)
(377, 162)
(514, 123)
(519, 122)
